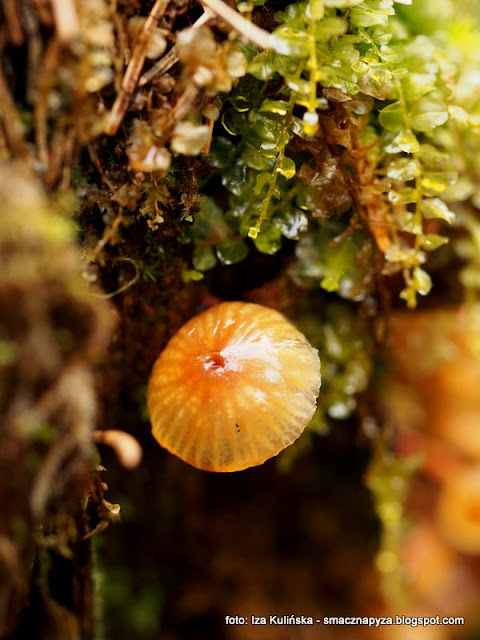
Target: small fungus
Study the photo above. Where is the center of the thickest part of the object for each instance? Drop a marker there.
(235, 386)
(128, 450)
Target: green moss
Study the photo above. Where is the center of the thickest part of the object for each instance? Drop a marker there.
(375, 91)
(388, 478)
(343, 340)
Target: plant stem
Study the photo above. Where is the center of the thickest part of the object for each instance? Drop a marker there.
(247, 29)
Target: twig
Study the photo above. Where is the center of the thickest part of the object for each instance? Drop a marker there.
(124, 287)
(34, 53)
(61, 157)
(247, 29)
(45, 479)
(171, 58)
(96, 161)
(43, 11)
(123, 50)
(184, 102)
(78, 413)
(15, 31)
(134, 68)
(45, 81)
(208, 144)
(162, 66)
(101, 526)
(109, 234)
(11, 120)
(66, 19)
(68, 155)
(180, 109)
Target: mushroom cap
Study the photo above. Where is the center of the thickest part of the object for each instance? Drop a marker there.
(235, 386)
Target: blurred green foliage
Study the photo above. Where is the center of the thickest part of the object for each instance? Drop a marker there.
(345, 345)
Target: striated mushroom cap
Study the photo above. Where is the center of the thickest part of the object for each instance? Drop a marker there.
(235, 386)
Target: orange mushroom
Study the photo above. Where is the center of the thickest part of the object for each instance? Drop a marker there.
(458, 510)
(235, 386)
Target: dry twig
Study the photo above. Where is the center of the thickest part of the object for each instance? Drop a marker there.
(247, 29)
(171, 58)
(15, 31)
(45, 82)
(61, 157)
(134, 68)
(66, 19)
(10, 119)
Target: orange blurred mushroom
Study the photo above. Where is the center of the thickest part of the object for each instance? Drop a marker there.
(458, 510)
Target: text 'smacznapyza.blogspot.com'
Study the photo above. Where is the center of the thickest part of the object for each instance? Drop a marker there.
(371, 621)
